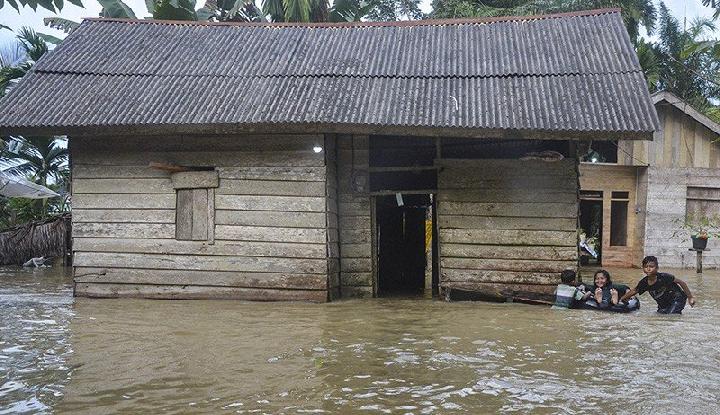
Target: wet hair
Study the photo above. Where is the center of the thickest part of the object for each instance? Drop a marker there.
(567, 276)
(649, 259)
(607, 277)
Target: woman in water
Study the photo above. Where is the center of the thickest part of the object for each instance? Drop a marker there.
(602, 295)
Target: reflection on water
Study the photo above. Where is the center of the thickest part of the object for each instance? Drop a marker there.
(35, 311)
(370, 356)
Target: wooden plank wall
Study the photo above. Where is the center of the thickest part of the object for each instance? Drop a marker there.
(354, 206)
(680, 142)
(271, 218)
(617, 178)
(333, 236)
(507, 227)
(666, 209)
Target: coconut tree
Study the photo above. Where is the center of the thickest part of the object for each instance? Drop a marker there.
(635, 13)
(17, 58)
(686, 68)
(43, 160)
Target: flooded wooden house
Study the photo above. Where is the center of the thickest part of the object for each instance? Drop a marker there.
(636, 195)
(318, 161)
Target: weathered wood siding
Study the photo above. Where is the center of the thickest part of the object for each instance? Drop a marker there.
(680, 142)
(683, 153)
(333, 237)
(666, 210)
(270, 230)
(609, 178)
(354, 206)
(507, 227)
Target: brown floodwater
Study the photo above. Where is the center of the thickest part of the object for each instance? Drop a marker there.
(404, 356)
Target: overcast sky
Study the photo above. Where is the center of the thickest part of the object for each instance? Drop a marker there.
(27, 17)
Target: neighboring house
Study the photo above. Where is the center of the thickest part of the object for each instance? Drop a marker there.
(647, 189)
(303, 161)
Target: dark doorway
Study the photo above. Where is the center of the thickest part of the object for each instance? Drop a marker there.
(401, 243)
(591, 222)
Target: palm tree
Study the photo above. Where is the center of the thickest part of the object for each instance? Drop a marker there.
(17, 59)
(37, 157)
(687, 69)
(635, 13)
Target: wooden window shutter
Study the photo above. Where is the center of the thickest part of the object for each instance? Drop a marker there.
(195, 206)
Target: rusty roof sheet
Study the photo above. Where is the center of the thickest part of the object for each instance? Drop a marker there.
(564, 73)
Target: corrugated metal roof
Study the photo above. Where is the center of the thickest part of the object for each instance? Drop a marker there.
(573, 73)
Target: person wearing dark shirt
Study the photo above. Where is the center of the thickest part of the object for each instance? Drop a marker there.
(669, 292)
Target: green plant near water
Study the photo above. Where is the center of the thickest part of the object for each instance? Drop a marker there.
(699, 226)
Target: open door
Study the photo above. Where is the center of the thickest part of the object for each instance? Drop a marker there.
(404, 249)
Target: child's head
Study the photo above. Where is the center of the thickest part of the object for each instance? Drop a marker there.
(567, 276)
(650, 265)
(602, 279)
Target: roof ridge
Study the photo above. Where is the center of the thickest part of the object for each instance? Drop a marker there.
(404, 23)
(342, 75)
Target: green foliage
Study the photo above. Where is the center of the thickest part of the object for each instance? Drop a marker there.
(685, 66)
(32, 46)
(61, 24)
(36, 157)
(635, 13)
(175, 10)
(42, 160)
(116, 9)
(54, 6)
(715, 4)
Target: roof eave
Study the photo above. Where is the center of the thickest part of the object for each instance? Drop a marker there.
(325, 128)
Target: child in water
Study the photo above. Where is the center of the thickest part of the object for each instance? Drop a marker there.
(669, 292)
(604, 294)
(566, 293)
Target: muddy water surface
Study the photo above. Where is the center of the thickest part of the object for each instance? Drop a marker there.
(369, 356)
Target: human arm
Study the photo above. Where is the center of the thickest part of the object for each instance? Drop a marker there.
(684, 286)
(628, 294)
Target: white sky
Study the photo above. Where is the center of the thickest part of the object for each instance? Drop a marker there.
(27, 17)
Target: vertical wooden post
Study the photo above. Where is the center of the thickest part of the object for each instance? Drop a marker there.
(698, 266)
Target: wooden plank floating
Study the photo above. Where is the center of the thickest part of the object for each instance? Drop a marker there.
(276, 280)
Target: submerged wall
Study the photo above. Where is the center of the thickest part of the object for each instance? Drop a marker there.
(507, 227)
(265, 237)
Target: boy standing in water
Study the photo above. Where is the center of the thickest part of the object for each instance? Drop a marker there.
(669, 292)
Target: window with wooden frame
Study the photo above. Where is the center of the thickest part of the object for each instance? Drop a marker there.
(702, 202)
(195, 205)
